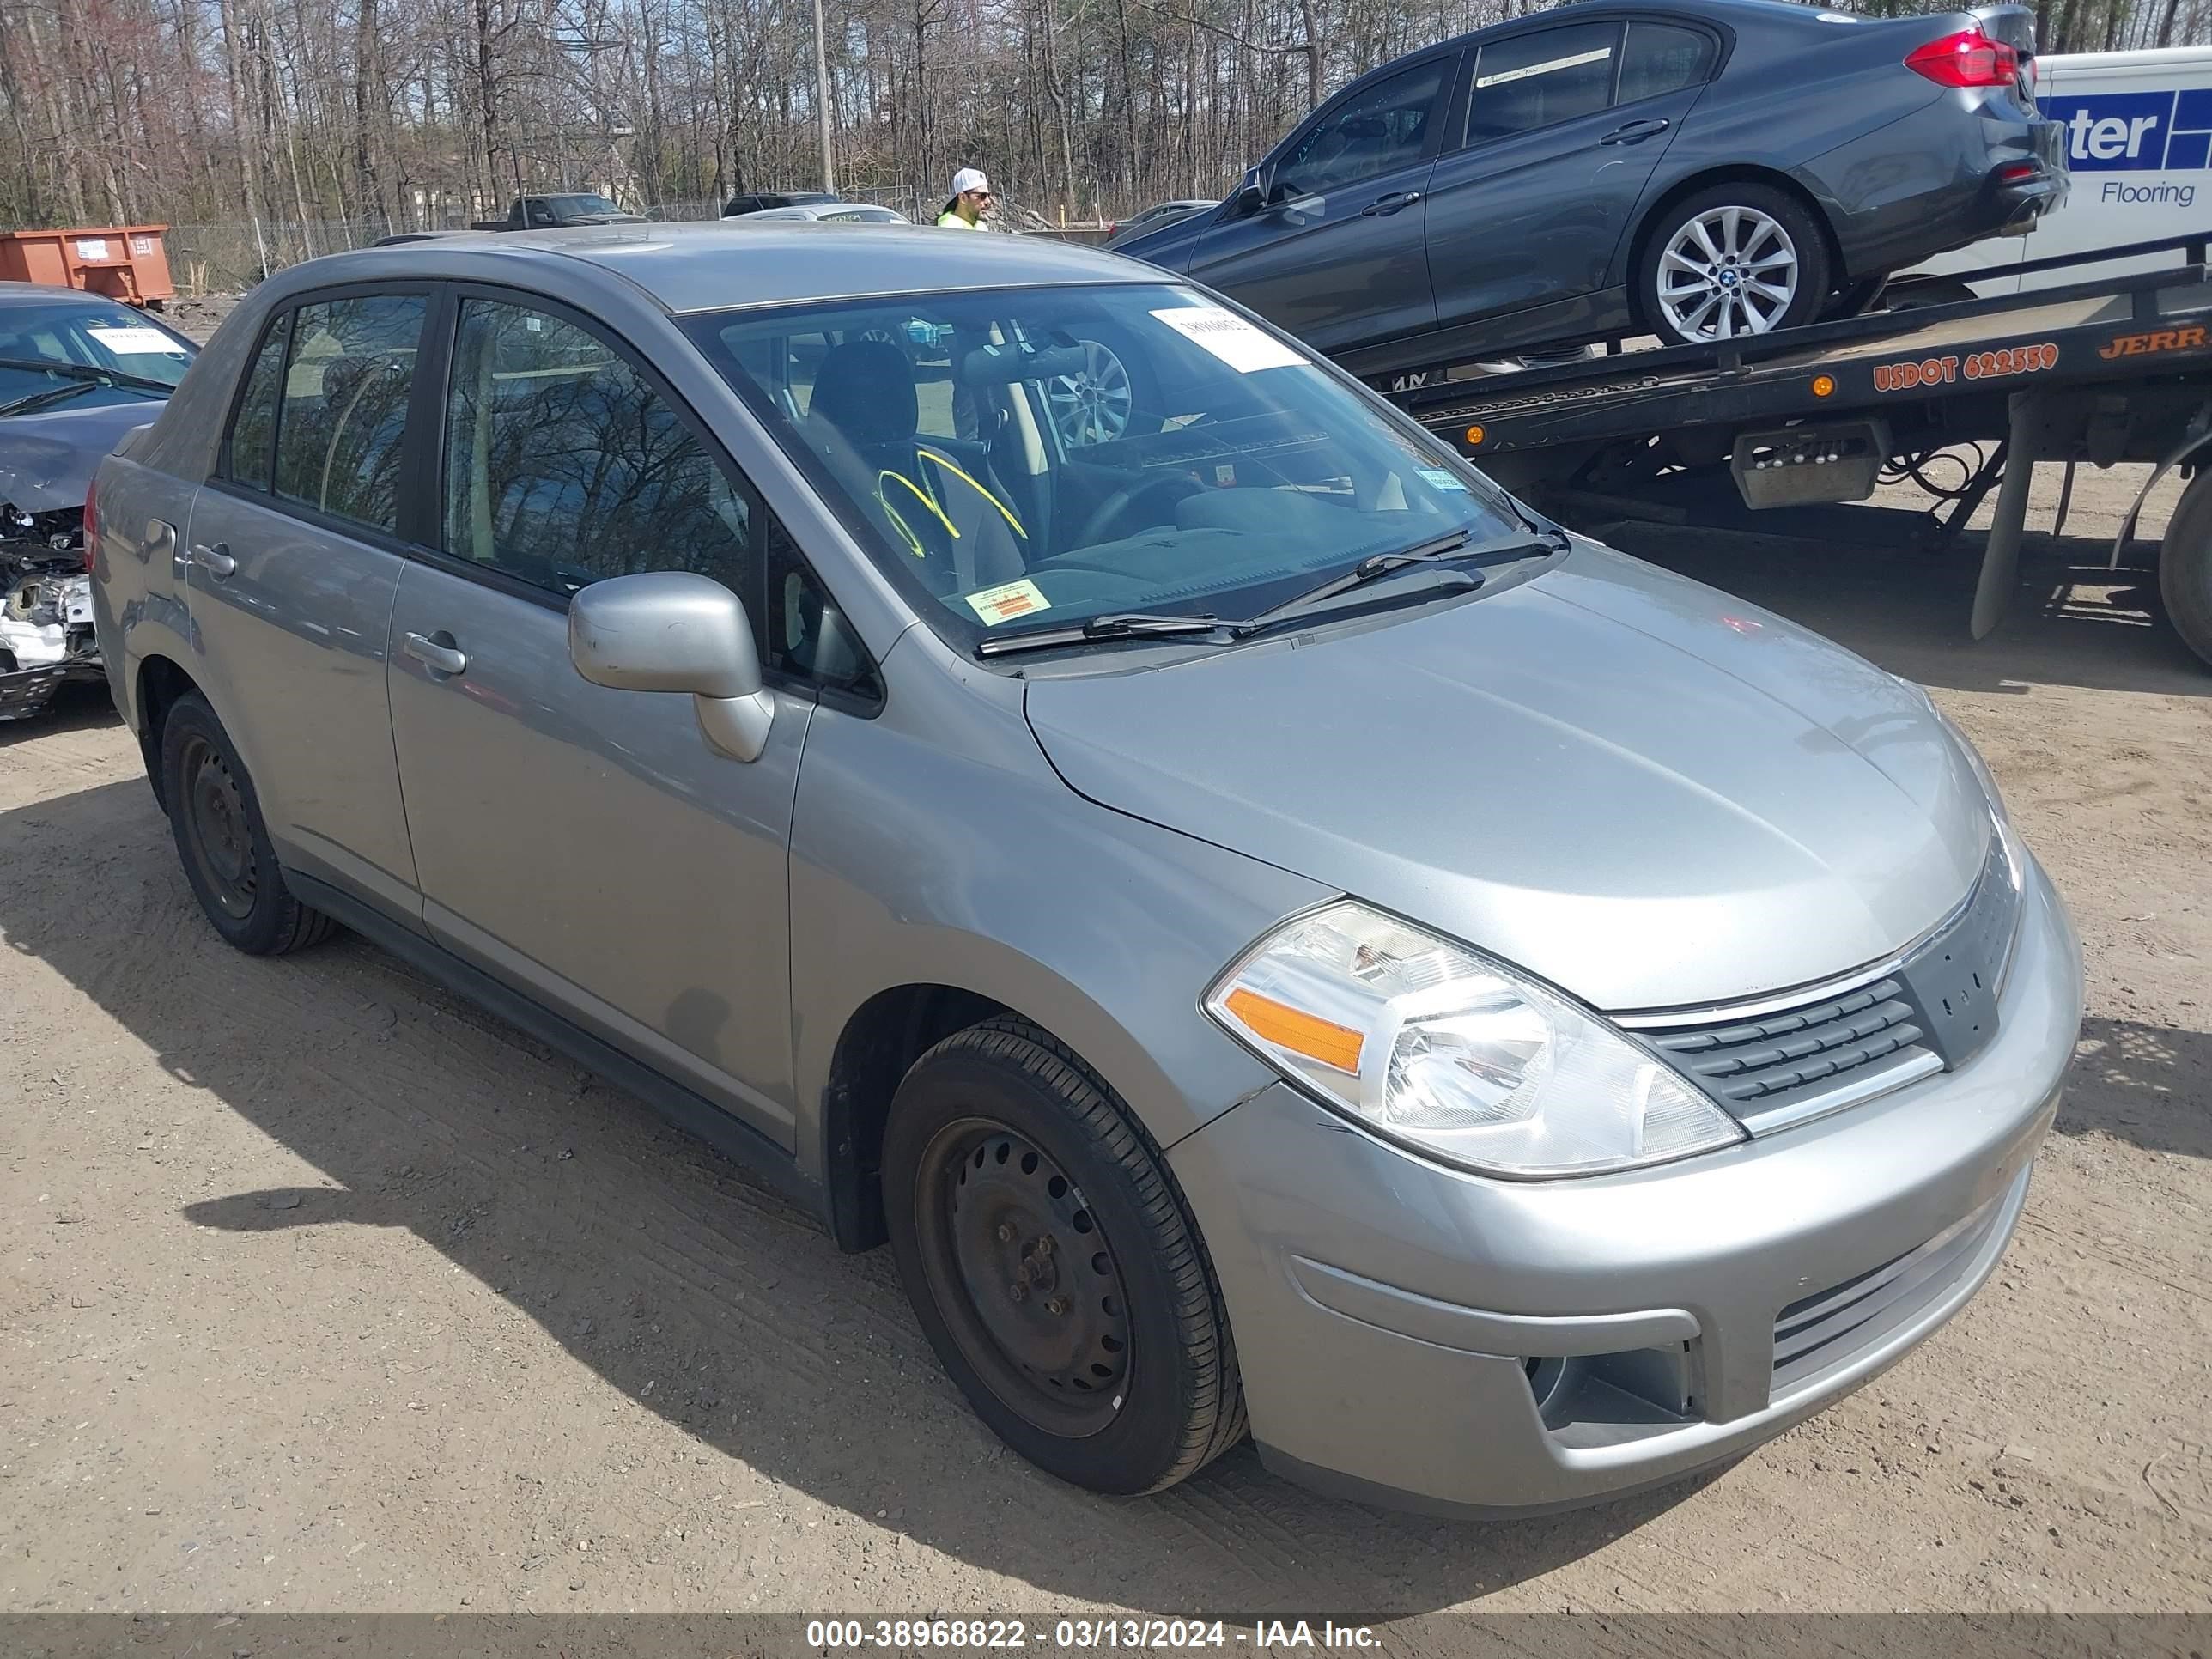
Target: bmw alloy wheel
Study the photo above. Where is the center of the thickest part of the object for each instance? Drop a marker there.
(1093, 405)
(1731, 270)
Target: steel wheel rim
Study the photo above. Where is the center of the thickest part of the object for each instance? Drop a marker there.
(1728, 271)
(222, 842)
(1092, 406)
(1018, 1265)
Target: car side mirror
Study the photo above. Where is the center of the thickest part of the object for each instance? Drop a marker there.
(1250, 198)
(668, 630)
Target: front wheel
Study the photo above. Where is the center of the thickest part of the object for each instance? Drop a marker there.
(1053, 1265)
(1732, 260)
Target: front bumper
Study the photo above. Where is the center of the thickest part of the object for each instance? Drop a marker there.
(1429, 1338)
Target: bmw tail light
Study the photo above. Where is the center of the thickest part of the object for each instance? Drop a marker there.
(1968, 59)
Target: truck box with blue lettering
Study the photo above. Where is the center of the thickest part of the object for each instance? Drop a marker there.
(2139, 149)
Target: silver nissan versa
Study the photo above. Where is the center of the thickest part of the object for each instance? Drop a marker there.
(1274, 935)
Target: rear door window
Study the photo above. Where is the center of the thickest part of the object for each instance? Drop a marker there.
(1664, 58)
(342, 419)
(1533, 81)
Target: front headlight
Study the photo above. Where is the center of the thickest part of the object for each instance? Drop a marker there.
(1456, 1056)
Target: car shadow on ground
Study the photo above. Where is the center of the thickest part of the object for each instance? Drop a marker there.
(672, 1275)
(2147, 1084)
(78, 706)
(2074, 621)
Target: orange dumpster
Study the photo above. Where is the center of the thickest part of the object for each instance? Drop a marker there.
(123, 262)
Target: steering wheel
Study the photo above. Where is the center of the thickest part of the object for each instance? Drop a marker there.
(1095, 527)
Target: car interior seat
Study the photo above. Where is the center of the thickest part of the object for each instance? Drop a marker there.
(939, 494)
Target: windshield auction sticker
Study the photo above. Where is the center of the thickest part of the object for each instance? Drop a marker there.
(132, 339)
(998, 605)
(1229, 337)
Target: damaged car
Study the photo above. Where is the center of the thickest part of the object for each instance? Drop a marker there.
(76, 373)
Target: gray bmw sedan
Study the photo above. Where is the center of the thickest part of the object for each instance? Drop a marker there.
(1274, 935)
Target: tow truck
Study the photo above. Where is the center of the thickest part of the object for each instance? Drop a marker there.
(1960, 398)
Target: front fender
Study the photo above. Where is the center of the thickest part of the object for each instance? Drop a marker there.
(934, 845)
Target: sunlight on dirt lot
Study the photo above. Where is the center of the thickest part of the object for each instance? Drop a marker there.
(321, 1289)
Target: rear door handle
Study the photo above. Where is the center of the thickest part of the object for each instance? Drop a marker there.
(1390, 203)
(1635, 132)
(436, 652)
(214, 557)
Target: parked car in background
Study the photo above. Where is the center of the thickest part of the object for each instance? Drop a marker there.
(1694, 168)
(835, 213)
(2138, 129)
(1155, 217)
(76, 373)
(759, 201)
(1272, 931)
(551, 212)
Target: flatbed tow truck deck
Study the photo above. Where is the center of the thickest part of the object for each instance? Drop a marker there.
(2102, 371)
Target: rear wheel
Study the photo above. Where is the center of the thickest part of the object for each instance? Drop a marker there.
(222, 840)
(1735, 260)
(2185, 566)
(1053, 1266)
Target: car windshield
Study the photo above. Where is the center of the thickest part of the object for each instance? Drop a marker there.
(1040, 455)
(86, 334)
(866, 215)
(573, 205)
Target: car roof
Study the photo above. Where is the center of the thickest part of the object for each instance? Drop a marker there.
(1734, 12)
(713, 264)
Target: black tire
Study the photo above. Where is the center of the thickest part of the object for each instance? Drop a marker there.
(222, 842)
(1808, 242)
(1918, 295)
(1855, 300)
(983, 1128)
(2185, 566)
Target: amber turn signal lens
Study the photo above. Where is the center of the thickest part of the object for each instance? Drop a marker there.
(1475, 434)
(1295, 1029)
(1823, 385)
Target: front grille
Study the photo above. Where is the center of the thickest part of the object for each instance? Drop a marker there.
(1753, 1063)
(1776, 1062)
(1816, 1334)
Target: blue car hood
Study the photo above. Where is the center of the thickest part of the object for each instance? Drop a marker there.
(1649, 793)
(48, 457)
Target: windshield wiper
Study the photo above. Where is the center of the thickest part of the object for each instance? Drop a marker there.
(91, 373)
(1118, 625)
(1458, 545)
(52, 394)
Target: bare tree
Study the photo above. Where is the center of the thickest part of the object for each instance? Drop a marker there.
(304, 123)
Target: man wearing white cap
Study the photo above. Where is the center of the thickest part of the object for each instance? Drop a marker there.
(971, 199)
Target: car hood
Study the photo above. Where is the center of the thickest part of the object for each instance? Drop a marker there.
(48, 457)
(1643, 790)
(1170, 247)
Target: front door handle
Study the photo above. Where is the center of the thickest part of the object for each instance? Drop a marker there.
(1635, 132)
(214, 557)
(436, 652)
(1391, 203)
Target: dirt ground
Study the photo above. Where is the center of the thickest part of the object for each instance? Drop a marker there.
(320, 1290)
